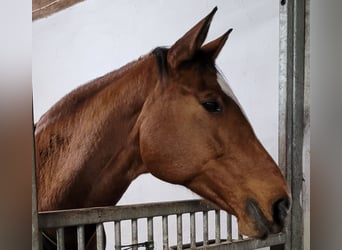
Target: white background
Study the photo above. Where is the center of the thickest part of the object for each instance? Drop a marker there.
(97, 36)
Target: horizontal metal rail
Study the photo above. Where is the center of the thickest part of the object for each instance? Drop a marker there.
(84, 216)
(244, 244)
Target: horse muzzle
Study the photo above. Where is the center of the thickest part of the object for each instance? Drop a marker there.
(263, 226)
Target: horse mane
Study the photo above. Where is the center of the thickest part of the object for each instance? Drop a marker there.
(74, 99)
(160, 54)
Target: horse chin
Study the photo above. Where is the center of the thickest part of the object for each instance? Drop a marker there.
(252, 229)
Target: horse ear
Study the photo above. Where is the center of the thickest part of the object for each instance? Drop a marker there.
(186, 46)
(213, 48)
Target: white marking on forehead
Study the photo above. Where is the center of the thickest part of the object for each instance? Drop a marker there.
(228, 90)
(225, 87)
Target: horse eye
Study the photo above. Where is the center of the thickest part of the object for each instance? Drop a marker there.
(212, 106)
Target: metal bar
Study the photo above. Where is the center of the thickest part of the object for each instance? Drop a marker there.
(150, 229)
(100, 236)
(134, 224)
(80, 238)
(83, 216)
(285, 85)
(179, 232)
(192, 230)
(117, 229)
(205, 228)
(298, 126)
(165, 233)
(293, 52)
(229, 227)
(297, 226)
(240, 236)
(246, 243)
(60, 238)
(217, 226)
(306, 132)
(285, 98)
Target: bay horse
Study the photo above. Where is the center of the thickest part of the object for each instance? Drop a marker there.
(172, 114)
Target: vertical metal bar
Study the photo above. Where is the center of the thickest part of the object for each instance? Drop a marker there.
(285, 85)
(205, 228)
(80, 238)
(150, 230)
(100, 236)
(217, 226)
(240, 236)
(134, 224)
(117, 229)
(298, 125)
(293, 37)
(179, 232)
(165, 233)
(285, 98)
(60, 238)
(192, 230)
(229, 227)
(306, 132)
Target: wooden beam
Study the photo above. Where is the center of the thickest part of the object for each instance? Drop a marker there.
(44, 8)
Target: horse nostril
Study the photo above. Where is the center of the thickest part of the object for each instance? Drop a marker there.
(280, 209)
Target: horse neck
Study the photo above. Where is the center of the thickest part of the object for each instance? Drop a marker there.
(102, 154)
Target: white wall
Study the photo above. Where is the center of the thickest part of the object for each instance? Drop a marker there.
(97, 36)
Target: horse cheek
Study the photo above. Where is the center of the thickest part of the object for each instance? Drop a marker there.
(152, 149)
(161, 153)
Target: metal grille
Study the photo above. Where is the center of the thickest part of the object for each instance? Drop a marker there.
(150, 213)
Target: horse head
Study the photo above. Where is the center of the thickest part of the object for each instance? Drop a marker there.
(193, 132)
